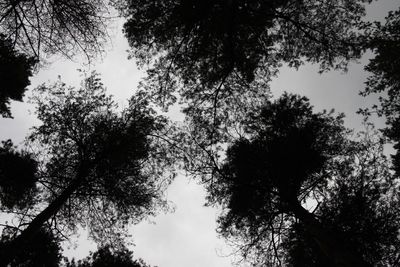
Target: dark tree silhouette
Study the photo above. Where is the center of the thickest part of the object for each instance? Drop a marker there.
(15, 70)
(106, 257)
(200, 43)
(17, 177)
(99, 169)
(41, 28)
(287, 156)
(385, 77)
(44, 250)
(54, 26)
(361, 206)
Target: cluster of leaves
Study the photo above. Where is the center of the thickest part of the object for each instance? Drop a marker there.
(30, 30)
(15, 70)
(361, 205)
(197, 45)
(107, 257)
(385, 77)
(284, 132)
(18, 177)
(54, 26)
(44, 250)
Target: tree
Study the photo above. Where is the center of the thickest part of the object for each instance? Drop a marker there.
(18, 178)
(361, 205)
(44, 249)
(106, 257)
(197, 45)
(15, 70)
(385, 43)
(98, 168)
(288, 156)
(54, 26)
(30, 30)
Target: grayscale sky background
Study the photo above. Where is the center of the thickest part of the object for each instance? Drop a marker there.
(187, 237)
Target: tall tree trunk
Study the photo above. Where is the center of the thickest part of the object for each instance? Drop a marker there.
(329, 244)
(11, 249)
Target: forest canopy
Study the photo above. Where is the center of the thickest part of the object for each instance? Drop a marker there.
(54, 26)
(203, 43)
(97, 168)
(294, 157)
(294, 186)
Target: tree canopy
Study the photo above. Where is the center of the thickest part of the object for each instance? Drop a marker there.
(290, 155)
(15, 71)
(99, 168)
(43, 250)
(361, 206)
(18, 177)
(48, 26)
(199, 44)
(32, 30)
(296, 187)
(385, 78)
(107, 257)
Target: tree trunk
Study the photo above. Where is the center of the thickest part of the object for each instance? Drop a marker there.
(340, 255)
(10, 250)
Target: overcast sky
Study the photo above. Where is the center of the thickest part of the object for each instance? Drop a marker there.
(187, 237)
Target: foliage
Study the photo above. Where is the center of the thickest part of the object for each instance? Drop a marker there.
(197, 45)
(290, 155)
(15, 70)
(106, 257)
(362, 205)
(44, 250)
(385, 76)
(99, 168)
(30, 30)
(385, 44)
(17, 177)
(285, 133)
(209, 126)
(124, 164)
(54, 26)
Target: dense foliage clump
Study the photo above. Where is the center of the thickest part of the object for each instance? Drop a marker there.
(15, 71)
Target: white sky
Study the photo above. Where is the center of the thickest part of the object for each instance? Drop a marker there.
(187, 237)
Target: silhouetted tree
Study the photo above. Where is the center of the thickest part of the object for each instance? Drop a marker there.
(51, 26)
(197, 45)
(30, 30)
(361, 206)
(287, 155)
(44, 249)
(15, 70)
(17, 177)
(106, 257)
(385, 77)
(99, 169)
